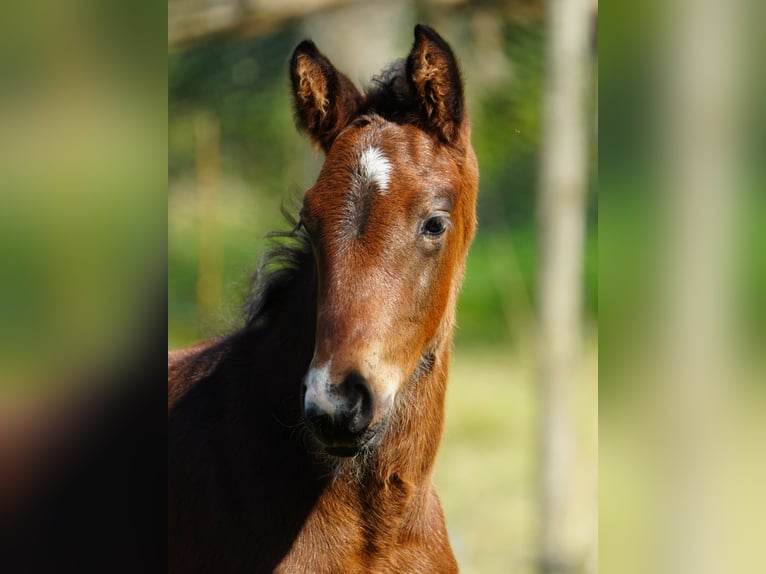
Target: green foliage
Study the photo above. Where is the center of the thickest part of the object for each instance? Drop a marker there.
(245, 85)
(506, 132)
(498, 298)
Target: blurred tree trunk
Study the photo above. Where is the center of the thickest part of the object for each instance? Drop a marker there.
(562, 214)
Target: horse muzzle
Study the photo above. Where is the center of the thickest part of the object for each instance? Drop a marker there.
(339, 414)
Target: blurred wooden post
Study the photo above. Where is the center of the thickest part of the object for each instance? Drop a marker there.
(206, 138)
(562, 212)
(701, 105)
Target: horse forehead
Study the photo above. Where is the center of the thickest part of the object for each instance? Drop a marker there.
(374, 170)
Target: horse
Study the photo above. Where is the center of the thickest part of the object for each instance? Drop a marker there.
(306, 440)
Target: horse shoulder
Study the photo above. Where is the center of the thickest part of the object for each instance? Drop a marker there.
(189, 365)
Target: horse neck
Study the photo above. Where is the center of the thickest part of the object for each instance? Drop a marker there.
(416, 429)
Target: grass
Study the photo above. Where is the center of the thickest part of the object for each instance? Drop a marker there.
(486, 471)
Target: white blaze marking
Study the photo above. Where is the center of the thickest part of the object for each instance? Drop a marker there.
(374, 167)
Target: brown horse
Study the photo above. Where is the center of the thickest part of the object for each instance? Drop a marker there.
(306, 441)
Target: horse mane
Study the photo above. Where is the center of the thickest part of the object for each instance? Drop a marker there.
(288, 254)
(389, 94)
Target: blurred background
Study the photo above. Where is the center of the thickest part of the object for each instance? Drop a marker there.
(83, 123)
(234, 156)
(682, 255)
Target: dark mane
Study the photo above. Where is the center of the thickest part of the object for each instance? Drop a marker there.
(283, 262)
(390, 95)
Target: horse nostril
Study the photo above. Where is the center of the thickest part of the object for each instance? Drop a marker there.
(360, 402)
(320, 422)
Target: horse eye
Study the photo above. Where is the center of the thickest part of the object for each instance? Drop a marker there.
(435, 226)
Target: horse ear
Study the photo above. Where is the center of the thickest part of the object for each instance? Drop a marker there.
(434, 75)
(325, 100)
